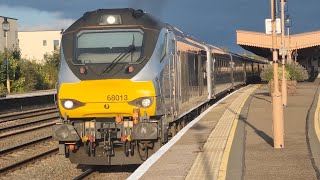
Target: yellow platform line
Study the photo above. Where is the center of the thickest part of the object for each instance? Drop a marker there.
(316, 119)
(225, 157)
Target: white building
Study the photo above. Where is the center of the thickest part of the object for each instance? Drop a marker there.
(34, 45)
(12, 34)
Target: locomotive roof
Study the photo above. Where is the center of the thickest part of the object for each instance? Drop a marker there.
(128, 16)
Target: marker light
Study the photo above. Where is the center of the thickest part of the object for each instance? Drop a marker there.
(68, 104)
(146, 102)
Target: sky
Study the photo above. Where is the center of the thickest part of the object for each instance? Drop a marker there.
(212, 21)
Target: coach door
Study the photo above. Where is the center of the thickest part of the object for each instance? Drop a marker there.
(174, 75)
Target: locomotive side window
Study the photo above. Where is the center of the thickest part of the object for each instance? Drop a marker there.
(103, 46)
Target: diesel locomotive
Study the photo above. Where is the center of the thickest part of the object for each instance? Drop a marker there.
(128, 82)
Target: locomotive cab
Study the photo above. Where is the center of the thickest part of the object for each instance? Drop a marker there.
(107, 91)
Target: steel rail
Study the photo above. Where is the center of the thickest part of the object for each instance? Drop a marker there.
(28, 123)
(84, 174)
(29, 160)
(27, 130)
(10, 149)
(27, 114)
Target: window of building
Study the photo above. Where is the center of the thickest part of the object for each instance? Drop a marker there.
(44, 42)
(56, 44)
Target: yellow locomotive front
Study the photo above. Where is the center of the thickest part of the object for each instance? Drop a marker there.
(107, 96)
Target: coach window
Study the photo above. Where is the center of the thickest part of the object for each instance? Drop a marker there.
(44, 42)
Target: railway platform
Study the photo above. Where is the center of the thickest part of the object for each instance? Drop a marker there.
(233, 140)
(29, 94)
(16, 102)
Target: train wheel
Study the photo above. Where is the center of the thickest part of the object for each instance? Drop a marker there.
(131, 149)
(142, 151)
(86, 147)
(126, 146)
(67, 152)
(89, 149)
(92, 149)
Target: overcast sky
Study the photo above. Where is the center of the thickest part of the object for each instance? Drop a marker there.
(212, 21)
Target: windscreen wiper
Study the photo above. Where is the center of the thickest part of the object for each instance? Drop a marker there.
(118, 58)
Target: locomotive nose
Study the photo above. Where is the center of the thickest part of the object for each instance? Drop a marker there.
(110, 98)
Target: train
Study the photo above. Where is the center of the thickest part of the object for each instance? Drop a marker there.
(128, 82)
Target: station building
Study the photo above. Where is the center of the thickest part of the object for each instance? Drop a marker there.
(303, 48)
(35, 45)
(12, 34)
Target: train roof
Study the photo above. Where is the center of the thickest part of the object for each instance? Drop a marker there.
(128, 16)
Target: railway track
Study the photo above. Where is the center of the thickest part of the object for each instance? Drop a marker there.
(27, 114)
(38, 122)
(25, 137)
(16, 123)
(24, 154)
(85, 174)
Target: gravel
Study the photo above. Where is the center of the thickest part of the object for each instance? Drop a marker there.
(54, 167)
(114, 172)
(26, 153)
(23, 138)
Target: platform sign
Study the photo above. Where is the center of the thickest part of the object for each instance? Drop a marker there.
(268, 25)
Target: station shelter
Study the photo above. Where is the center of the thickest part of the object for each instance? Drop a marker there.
(303, 48)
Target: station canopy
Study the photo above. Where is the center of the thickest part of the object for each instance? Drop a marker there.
(303, 46)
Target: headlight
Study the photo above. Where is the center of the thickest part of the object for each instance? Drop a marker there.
(71, 104)
(68, 104)
(146, 102)
(110, 20)
(143, 102)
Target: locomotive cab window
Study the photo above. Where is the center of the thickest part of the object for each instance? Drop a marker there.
(106, 46)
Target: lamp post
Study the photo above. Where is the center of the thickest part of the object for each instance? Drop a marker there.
(283, 56)
(277, 108)
(6, 28)
(288, 24)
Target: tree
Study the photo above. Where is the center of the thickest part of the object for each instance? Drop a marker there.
(51, 66)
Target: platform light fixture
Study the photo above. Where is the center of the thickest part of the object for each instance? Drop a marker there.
(277, 108)
(283, 57)
(6, 28)
(288, 25)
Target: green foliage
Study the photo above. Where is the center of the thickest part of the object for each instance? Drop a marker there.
(2, 89)
(26, 75)
(294, 71)
(50, 69)
(297, 72)
(267, 73)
